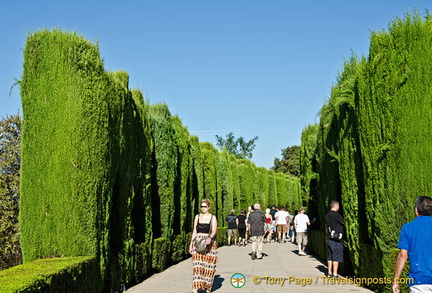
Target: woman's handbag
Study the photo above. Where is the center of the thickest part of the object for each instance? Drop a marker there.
(200, 243)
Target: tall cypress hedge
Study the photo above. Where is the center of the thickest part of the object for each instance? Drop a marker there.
(246, 181)
(281, 189)
(373, 142)
(263, 186)
(197, 179)
(209, 174)
(164, 169)
(394, 97)
(227, 185)
(272, 194)
(67, 156)
(106, 174)
(235, 184)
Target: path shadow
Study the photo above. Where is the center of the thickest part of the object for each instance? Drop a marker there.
(217, 282)
(322, 269)
(262, 253)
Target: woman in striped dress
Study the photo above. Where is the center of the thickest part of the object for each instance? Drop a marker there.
(204, 265)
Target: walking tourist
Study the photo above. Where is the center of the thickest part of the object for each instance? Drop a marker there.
(231, 219)
(204, 263)
(334, 234)
(415, 242)
(282, 218)
(241, 226)
(301, 223)
(256, 222)
(268, 227)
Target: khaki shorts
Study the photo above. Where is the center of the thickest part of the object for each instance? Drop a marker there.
(282, 228)
(301, 238)
(231, 232)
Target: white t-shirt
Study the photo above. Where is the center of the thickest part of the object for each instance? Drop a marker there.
(281, 216)
(301, 221)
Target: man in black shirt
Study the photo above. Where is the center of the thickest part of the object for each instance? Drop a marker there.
(334, 231)
(231, 219)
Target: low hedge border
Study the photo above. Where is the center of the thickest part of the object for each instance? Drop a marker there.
(66, 274)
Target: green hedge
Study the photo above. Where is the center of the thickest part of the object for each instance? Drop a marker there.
(67, 162)
(106, 174)
(371, 150)
(68, 274)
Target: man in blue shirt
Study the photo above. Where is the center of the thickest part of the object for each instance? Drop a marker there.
(415, 242)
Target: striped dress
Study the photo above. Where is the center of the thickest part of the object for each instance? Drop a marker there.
(204, 265)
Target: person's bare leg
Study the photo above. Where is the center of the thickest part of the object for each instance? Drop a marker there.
(335, 268)
(329, 268)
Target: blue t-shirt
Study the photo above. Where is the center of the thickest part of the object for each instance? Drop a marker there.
(416, 238)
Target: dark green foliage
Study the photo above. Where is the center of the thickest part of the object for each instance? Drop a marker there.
(197, 177)
(67, 153)
(222, 236)
(178, 252)
(164, 168)
(182, 190)
(10, 161)
(109, 176)
(308, 166)
(247, 182)
(237, 146)
(263, 186)
(209, 172)
(293, 192)
(160, 254)
(290, 161)
(272, 193)
(235, 184)
(281, 188)
(226, 185)
(69, 274)
(143, 260)
(372, 147)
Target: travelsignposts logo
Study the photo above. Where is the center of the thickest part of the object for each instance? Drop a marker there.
(238, 280)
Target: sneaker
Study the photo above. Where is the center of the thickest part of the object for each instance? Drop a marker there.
(253, 256)
(302, 253)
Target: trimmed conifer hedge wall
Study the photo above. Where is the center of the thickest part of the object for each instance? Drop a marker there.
(67, 154)
(371, 150)
(67, 274)
(107, 175)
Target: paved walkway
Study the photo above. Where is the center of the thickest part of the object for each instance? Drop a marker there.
(271, 274)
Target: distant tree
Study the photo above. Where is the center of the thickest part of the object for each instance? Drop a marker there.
(241, 148)
(10, 161)
(290, 161)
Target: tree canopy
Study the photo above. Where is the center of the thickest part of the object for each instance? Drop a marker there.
(290, 161)
(10, 138)
(241, 148)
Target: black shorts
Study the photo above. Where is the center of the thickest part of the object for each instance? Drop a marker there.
(242, 232)
(335, 250)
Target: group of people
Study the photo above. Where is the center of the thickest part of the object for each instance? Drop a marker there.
(414, 243)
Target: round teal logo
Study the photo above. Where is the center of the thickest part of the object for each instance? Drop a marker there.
(238, 280)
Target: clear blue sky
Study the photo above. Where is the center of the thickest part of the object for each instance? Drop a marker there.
(256, 68)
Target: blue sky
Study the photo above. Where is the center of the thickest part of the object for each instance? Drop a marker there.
(256, 68)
